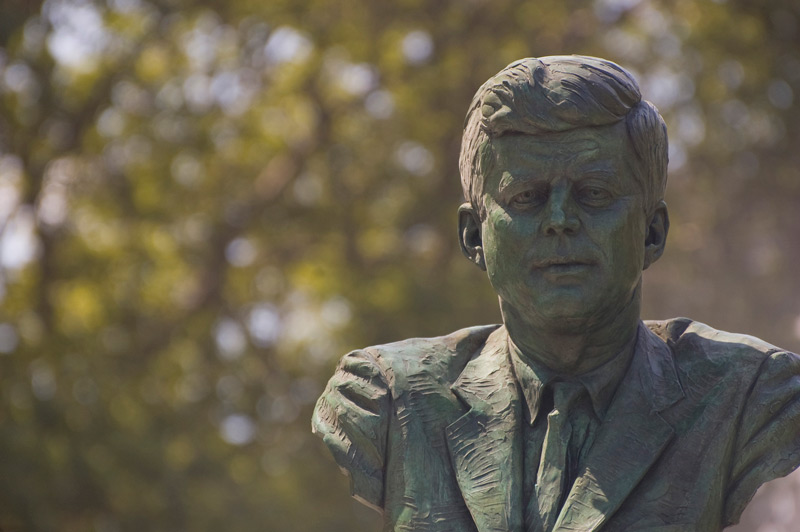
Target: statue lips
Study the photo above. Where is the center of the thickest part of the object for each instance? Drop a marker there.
(563, 267)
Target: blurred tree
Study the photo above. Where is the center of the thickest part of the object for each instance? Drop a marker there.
(204, 204)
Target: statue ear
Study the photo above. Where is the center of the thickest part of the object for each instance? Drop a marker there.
(469, 235)
(656, 238)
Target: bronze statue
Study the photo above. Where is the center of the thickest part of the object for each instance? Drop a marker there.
(573, 415)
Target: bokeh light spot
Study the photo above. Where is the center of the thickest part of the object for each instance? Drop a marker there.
(417, 46)
(237, 429)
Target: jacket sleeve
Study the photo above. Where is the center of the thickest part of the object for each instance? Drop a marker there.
(352, 416)
(768, 442)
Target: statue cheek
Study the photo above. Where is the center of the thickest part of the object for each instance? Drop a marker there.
(497, 230)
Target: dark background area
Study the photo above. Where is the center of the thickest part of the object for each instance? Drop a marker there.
(204, 204)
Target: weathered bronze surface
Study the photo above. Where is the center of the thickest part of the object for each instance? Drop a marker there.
(573, 415)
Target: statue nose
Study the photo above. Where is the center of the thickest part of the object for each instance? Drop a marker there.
(559, 216)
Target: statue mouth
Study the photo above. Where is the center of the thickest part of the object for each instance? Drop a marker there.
(557, 262)
(563, 266)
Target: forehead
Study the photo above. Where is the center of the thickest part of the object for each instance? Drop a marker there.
(566, 148)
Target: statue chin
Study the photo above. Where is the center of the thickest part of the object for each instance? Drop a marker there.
(561, 311)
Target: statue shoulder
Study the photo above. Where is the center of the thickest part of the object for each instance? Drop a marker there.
(353, 414)
(442, 357)
(693, 342)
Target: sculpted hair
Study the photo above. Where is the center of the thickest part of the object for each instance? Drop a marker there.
(558, 93)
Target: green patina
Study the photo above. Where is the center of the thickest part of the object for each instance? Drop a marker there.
(573, 414)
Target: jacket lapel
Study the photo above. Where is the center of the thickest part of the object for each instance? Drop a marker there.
(485, 443)
(632, 436)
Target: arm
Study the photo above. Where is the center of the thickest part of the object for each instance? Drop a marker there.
(768, 442)
(352, 416)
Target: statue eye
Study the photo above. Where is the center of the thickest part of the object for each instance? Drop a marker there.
(529, 198)
(594, 196)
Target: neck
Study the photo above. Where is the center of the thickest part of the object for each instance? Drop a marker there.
(574, 346)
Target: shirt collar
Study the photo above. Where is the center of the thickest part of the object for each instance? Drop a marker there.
(601, 382)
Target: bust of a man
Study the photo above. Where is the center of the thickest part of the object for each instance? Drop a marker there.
(573, 414)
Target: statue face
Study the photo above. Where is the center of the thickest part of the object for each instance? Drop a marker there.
(564, 234)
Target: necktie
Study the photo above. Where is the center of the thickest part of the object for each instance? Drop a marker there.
(566, 428)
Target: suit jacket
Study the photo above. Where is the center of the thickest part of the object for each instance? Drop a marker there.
(429, 430)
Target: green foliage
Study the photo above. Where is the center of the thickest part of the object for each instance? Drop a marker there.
(205, 204)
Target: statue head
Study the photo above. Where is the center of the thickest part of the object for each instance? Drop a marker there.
(564, 168)
(560, 93)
